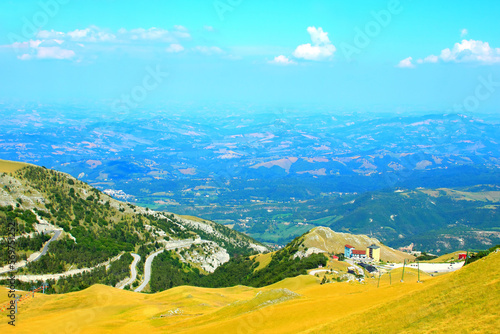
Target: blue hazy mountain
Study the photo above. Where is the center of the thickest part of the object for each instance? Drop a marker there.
(190, 158)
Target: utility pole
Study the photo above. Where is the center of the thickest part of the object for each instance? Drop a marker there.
(390, 278)
(403, 275)
(378, 284)
(418, 269)
(16, 300)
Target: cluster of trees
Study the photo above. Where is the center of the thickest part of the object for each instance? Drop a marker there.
(169, 224)
(66, 252)
(426, 257)
(473, 257)
(168, 271)
(34, 243)
(118, 270)
(101, 231)
(23, 219)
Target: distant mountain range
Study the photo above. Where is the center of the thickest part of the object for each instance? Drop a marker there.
(273, 173)
(177, 158)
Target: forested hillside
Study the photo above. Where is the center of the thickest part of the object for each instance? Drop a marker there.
(90, 228)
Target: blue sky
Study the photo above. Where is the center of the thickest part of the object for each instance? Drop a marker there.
(367, 55)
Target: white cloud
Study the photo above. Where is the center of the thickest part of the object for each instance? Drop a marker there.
(318, 36)
(51, 44)
(406, 63)
(148, 34)
(45, 34)
(24, 45)
(96, 34)
(282, 60)
(91, 34)
(50, 52)
(467, 51)
(320, 49)
(208, 28)
(314, 52)
(471, 51)
(428, 59)
(25, 57)
(174, 48)
(79, 33)
(464, 32)
(180, 28)
(155, 34)
(208, 50)
(54, 52)
(181, 32)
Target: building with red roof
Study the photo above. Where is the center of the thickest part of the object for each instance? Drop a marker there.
(347, 251)
(358, 254)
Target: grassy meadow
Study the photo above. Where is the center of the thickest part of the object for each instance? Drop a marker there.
(467, 300)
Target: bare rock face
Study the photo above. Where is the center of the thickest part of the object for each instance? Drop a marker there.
(305, 253)
(208, 255)
(207, 227)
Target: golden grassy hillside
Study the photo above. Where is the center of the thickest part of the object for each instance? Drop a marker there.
(465, 301)
(447, 257)
(262, 259)
(333, 242)
(11, 166)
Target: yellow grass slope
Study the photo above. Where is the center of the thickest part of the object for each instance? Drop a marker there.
(11, 166)
(262, 259)
(333, 242)
(466, 301)
(447, 257)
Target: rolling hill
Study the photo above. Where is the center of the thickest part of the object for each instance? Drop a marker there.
(324, 239)
(467, 300)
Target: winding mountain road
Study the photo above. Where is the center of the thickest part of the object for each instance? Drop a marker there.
(133, 270)
(37, 257)
(46, 246)
(44, 277)
(169, 246)
(147, 270)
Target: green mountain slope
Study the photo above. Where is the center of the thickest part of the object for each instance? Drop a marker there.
(92, 228)
(435, 220)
